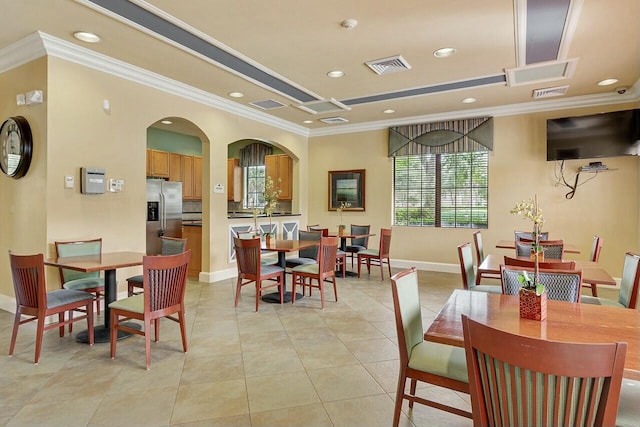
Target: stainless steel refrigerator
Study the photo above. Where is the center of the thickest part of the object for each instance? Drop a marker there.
(164, 212)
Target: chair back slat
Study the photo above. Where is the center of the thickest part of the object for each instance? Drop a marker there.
(629, 283)
(77, 248)
(357, 230)
(596, 247)
(477, 240)
(248, 257)
(385, 242)
(165, 277)
(310, 252)
(28, 280)
(553, 249)
(561, 285)
(327, 259)
(173, 246)
(519, 380)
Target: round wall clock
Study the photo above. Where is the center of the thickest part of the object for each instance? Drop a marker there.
(16, 147)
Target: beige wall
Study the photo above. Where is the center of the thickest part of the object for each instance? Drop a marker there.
(71, 130)
(606, 205)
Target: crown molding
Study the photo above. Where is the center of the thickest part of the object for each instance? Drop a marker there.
(21, 52)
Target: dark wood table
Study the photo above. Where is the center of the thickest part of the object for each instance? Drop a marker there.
(107, 262)
(566, 321)
(343, 247)
(511, 244)
(592, 273)
(282, 247)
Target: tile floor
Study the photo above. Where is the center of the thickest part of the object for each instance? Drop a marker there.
(283, 366)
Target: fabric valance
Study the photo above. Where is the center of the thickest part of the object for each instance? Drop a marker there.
(253, 154)
(454, 136)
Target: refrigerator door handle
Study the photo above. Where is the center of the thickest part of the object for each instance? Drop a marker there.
(163, 215)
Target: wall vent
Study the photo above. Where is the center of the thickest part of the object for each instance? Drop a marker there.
(389, 65)
(334, 120)
(550, 91)
(267, 104)
(542, 72)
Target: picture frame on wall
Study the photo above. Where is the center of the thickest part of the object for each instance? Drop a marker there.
(347, 187)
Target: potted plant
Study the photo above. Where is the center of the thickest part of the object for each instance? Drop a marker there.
(533, 298)
(271, 194)
(343, 206)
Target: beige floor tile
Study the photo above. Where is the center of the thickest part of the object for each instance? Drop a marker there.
(271, 361)
(235, 421)
(344, 382)
(139, 408)
(312, 415)
(65, 412)
(373, 350)
(369, 411)
(385, 373)
(135, 377)
(265, 341)
(197, 402)
(280, 391)
(213, 368)
(316, 356)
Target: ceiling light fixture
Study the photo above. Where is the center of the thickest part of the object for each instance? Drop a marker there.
(307, 121)
(444, 52)
(335, 74)
(166, 122)
(389, 111)
(469, 100)
(86, 37)
(607, 82)
(349, 24)
(236, 94)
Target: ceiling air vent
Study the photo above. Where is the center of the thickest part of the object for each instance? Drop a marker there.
(389, 65)
(267, 104)
(550, 91)
(323, 106)
(542, 72)
(334, 120)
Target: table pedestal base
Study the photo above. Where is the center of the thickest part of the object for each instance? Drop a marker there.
(274, 297)
(102, 335)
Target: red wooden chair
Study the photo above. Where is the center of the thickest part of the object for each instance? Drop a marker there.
(163, 286)
(324, 270)
(378, 256)
(251, 269)
(32, 299)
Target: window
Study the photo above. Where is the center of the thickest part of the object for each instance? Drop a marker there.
(254, 177)
(441, 190)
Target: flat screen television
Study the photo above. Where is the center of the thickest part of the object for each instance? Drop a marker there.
(598, 135)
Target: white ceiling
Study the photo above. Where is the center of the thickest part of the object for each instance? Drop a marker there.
(295, 43)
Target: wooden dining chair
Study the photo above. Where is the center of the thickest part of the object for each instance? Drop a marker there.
(528, 235)
(78, 280)
(468, 272)
(545, 265)
(553, 249)
(170, 246)
(596, 248)
(420, 360)
(341, 256)
(163, 286)
(360, 243)
(479, 247)
(378, 256)
(322, 271)
(33, 300)
(561, 285)
(252, 270)
(519, 380)
(629, 285)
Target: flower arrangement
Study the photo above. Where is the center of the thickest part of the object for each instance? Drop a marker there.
(271, 195)
(340, 210)
(256, 212)
(530, 210)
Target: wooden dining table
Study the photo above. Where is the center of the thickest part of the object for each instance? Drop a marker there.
(343, 247)
(511, 244)
(592, 273)
(566, 321)
(282, 247)
(107, 262)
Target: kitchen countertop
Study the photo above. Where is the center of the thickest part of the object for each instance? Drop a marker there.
(246, 215)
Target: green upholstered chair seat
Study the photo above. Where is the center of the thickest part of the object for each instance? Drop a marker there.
(628, 413)
(586, 299)
(85, 283)
(65, 296)
(374, 252)
(493, 289)
(294, 262)
(307, 268)
(270, 269)
(134, 304)
(439, 359)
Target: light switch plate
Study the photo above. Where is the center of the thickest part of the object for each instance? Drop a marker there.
(68, 181)
(218, 188)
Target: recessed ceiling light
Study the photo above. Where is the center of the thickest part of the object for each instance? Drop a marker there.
(389, 111)
(444, 52)
(308, 121)
(469, 100)
(166, 122)
(349, 24)
(86, 37)
(236, 94)
(607, 82)
(335, 74)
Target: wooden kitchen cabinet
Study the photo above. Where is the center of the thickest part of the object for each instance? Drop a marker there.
(191, 178)
(158, 163)
(193, 234)
(280, 168)
(232, 185)
(175, 167)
